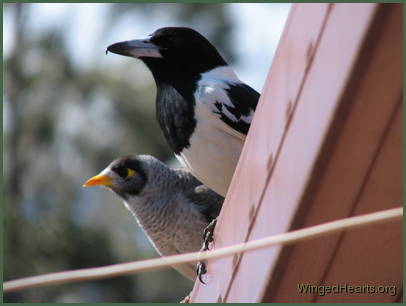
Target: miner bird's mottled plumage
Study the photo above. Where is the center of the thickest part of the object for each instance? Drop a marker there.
(170, 205)
(204, 110)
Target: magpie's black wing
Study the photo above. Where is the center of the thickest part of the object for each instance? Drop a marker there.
(239, 114)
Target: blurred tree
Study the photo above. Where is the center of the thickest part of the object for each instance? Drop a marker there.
(64, 124)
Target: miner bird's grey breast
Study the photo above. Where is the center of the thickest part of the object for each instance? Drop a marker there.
(202, 107)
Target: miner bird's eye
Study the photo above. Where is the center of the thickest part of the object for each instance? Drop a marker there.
(124, 172)
(130, 172)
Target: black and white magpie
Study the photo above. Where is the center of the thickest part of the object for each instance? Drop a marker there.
(203, 108)
(170, 205)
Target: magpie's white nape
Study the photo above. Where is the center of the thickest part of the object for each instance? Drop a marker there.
(202, 107)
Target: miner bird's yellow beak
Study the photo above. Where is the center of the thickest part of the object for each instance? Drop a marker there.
(98, 180)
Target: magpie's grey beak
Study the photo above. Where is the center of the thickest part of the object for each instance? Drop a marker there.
(135, 48)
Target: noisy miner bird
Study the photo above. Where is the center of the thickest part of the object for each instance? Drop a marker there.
(170, 205)
(203, 108)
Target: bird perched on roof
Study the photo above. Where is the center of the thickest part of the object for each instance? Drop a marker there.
(202, 107)
(170, 205)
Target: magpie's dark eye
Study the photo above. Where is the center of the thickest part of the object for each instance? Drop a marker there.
(121, 171)
(163, 40)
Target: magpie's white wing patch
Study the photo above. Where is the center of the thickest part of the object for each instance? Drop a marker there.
(227, 98)
(223, 115)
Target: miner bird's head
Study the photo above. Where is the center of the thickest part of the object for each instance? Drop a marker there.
(126, 176)
(172, 50)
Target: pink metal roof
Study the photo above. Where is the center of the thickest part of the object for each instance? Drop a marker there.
(325, 144)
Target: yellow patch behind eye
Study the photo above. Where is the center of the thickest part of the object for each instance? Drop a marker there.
(130, 172)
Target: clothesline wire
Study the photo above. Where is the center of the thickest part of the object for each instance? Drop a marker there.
(156, 263)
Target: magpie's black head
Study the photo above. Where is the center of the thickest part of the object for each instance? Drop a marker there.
(172, 50)
(125, 176)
